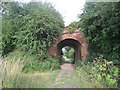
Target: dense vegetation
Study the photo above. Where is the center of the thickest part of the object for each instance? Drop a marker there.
(30, 28)
(27, 32)
(101, 24)
(13, 77)
(72, 27)
(68, 54)
(100, 71)
(86, 76)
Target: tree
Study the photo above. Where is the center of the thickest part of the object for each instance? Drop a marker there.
(10, 25)
(69, 52)
(101, 24)
(30, 27)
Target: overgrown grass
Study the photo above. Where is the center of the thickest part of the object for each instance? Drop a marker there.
(13, 75)
(33, 63)
(77, 80)
(98, 74)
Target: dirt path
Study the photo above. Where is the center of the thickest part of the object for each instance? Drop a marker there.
(64, 77)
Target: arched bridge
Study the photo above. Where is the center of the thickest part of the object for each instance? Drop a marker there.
(75, 40)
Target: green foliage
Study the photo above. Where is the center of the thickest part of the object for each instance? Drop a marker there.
(8, 25)
(13, 77)
(72, 27)
(101, 70)
(49, 64)
(33, 63)
(68, 54)
(100, 22)
(110, 81)
(30, 27)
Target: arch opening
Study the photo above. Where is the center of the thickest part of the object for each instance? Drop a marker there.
(71, 43)
(75, 40)
(68, 55)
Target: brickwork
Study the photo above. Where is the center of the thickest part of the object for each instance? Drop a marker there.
(75, 40)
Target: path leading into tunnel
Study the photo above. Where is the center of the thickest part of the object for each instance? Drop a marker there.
(68, 77)
(64, 77)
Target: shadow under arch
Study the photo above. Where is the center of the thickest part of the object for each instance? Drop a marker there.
(72, 43)
(75, 40)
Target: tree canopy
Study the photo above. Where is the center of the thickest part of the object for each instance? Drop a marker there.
(30, 27)
(101, 24)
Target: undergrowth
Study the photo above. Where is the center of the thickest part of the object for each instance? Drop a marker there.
(16, 63)
(100, 71)
(49, 64)
(33, 63)
(22, 71)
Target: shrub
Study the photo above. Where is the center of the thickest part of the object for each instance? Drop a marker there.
(50, 63)
(99, 22)
(101, 70)
(30, 27)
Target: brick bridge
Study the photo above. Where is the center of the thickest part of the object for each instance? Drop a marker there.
(75, 40)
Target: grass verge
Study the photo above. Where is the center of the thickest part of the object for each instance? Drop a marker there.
(13, 77)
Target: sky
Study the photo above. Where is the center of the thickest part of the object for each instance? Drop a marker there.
(68, 8)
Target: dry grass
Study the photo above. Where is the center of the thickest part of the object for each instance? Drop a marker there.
(10, 68)
(1, 73)
(12, 76)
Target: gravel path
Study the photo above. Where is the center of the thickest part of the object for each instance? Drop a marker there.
(63, 76)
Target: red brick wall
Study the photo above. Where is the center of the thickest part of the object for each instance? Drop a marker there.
(77, 36)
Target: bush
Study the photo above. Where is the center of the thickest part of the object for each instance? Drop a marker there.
(101, 70)
(49, 64)
(99, 22)
(30, 27)
(33, 63)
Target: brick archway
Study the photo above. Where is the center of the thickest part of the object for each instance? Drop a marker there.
(75, 40)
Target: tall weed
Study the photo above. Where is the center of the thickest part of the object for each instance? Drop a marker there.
(12, 75)
(11, 72)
